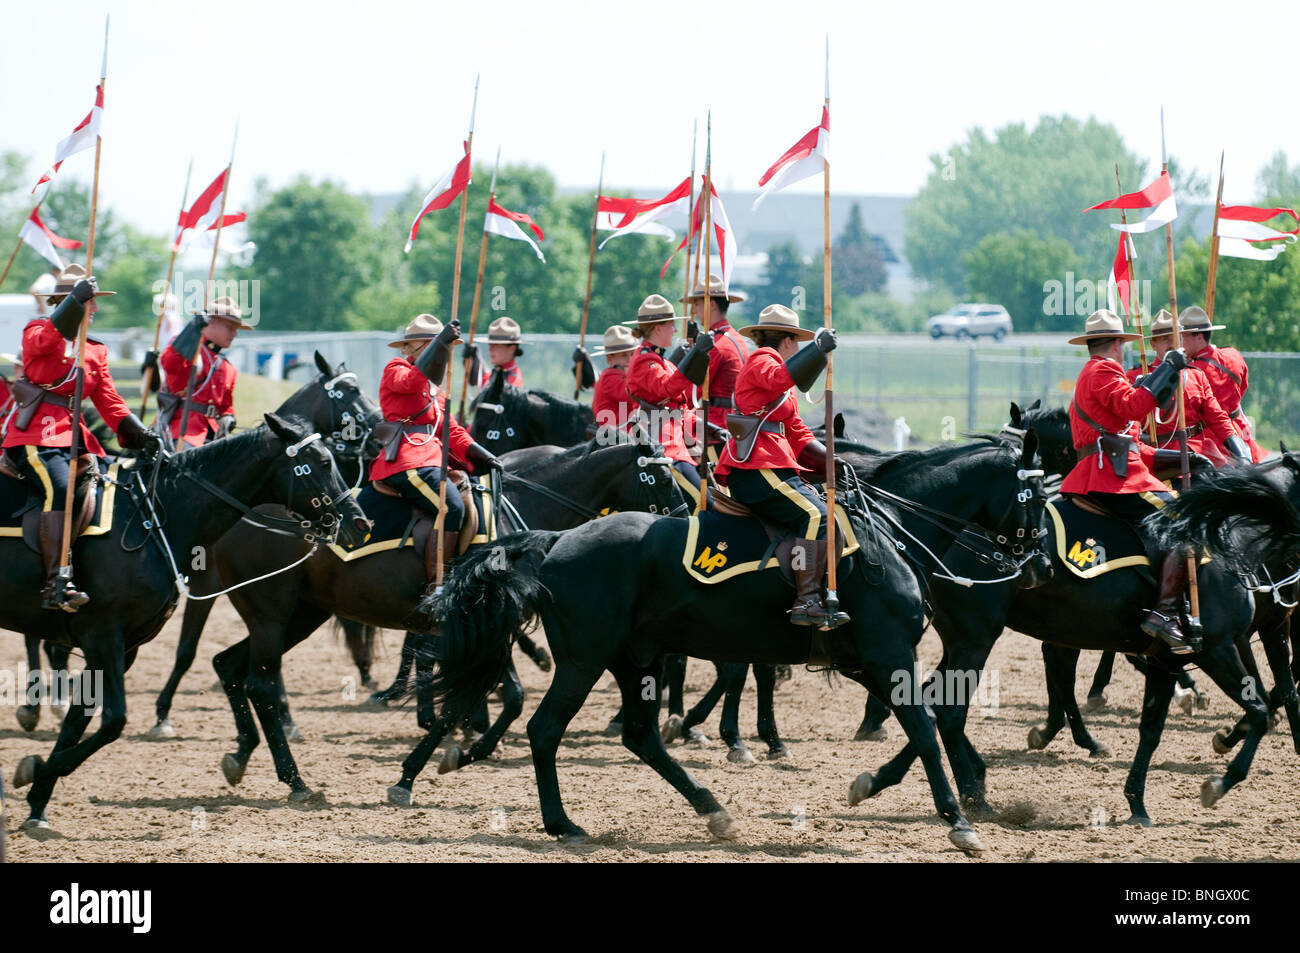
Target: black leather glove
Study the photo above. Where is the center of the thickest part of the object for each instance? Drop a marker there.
(471, 354)
(675, 353)
(151, 361)
(132, 434)
(694, 365)
(826, 340)
(432, 362)
(1163, 381)
(481, 458)
(1175, 356)
(692, 331)
(1239, 450)
(225, 424)
(85, 289)
(580, 358)
(187, 342)
(1169, 466)
(67, 314)
(813, 456)
(807, 364)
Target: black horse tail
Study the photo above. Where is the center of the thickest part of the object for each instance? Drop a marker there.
(491, 597)
(1237, 514)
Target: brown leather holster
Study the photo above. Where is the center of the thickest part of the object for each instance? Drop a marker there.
(29, 397)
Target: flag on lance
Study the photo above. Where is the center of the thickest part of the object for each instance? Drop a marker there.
(625, 216)
(724, 239)
(205, 213)
(1120, 283)
(1242, 228)
(805, 158)
(442, 194)
(1158, 196)
(501, 221)
(81, 138)
(43, 241)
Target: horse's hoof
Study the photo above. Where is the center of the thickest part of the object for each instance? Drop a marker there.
(784, 673)
(966, 840)
(1220, 742)
(28, 716)
(1037, 739)
(543, 660)
(861, 788)
(161, 731)
(25, 773)
(1185, 699)
(576, 837)
(1095, 702)
(698, 738)
(1274, 719)
(741, 755)
(399, 795)
(722, 826)
(878, 734)
(1211, 791)
(233, 769)
(379, 700)
(1202, 699)
(672, 729)
(1139, 820)
(34, 824)
(779, 753)
(613, 729)
(307, 799)
(451, 760)
(292, 733)
(1100, 751)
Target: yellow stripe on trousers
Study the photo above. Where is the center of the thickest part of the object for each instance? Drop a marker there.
(34, 461)
(797, 498)
(425, 490)
(687, 486)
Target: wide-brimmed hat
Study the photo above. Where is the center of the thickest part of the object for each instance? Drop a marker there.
(506, 331)
(617, 340)
(424, 327)
(777, 317)
(66, 279)
(226, 309)
(1162, 324)
(1194, 320)
(714, 290)
(653, 310)
(1103, 324)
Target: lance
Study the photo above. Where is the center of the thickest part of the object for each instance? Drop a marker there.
(1142, 347)
(147, 381)
(591, 264)
(447, 380)
(690, 223)
(832, 598)
(207, 300)
(14, 254)
(1169, 226)
(706, 196)
(1212, 277)
(69, 499)
(478, 290)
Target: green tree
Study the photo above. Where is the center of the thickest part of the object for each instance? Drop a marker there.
(784, 276)
(1012, 268)
(855, 260)
(1279, 182)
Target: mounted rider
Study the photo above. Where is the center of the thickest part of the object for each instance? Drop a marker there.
(1113, 473)
(1209, 428)
(38, 432)
(505, 344)
(662, 388)
(1224, 368)
(211, 385)
(770, 448)
(611, 403)
(727, 358)
(410, 465)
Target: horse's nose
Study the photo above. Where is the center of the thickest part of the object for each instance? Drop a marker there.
(362, 524)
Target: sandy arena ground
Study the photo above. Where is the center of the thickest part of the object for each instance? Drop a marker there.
(139, 800)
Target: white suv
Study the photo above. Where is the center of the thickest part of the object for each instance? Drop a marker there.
(970, 321)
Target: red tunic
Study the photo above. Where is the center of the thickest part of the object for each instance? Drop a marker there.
(6, 395)
(765, 379)
(47, 360)
(405, 392)
(513, 377)
(214, 386)
(1105, 395)
(652, 379)
(728, 357)
(611, 402)
(1229, 387)
(1200, 408)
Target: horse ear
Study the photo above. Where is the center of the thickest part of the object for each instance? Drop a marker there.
(1015, 415)
(1030, 450)
(280, 427)
(1038, 402)
(1282, 446)
(323, 365)
(839, 426)
(495, 386)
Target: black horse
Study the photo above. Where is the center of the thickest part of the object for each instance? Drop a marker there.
(387, 589)
(635, 561)
(132, 576)
(506, 418)
(335, 406)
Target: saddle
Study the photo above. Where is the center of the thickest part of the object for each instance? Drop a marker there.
(1091, 541)
(421, 524)
(22, 512)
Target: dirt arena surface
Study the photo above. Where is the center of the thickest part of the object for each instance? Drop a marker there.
(139, 800)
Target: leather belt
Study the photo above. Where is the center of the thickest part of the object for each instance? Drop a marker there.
(1190, 432)
(769, 426)
(726, 402)
(1090, 449)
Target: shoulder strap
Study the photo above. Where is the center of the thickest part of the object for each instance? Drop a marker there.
(1074, 405)
(1213, 363)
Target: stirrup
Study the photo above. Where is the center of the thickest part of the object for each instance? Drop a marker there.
(60, 593)
(1168, 632)
(812, 612)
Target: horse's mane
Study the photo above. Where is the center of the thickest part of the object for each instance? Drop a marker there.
(562, 415)
(220, 455)
(893, 464)
(578, 452)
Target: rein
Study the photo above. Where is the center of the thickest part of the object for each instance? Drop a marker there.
(581, 509)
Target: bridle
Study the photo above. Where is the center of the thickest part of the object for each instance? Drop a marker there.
(348, 434)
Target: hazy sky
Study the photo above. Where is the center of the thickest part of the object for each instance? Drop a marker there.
(377, 94)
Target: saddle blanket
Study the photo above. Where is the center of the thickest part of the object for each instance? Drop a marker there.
(395, 521)
(720, 546)
(16, 501)
(1088, 544)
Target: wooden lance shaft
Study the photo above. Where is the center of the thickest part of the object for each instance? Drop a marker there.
(707, 198)
(1142, 347)
(831, 551)
(473, 319)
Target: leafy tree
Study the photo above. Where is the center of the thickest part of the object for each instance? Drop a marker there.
(1279, 182)
(1011, 269)
(855, 260)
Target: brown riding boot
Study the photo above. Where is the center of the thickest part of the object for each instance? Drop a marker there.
(449, 540)
(1162, 621)
(808, 608)
(59, 592)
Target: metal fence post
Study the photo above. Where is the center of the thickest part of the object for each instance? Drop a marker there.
(972, 388)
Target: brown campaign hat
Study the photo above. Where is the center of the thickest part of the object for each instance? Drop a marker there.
(506, 331)
(654, 310)
(777, 317)
(226, 309)
(67, 278)
(617, 340)
(1194, 320)
(1103, 324)
(424, 327)
(1162, 324)
(715, 290)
